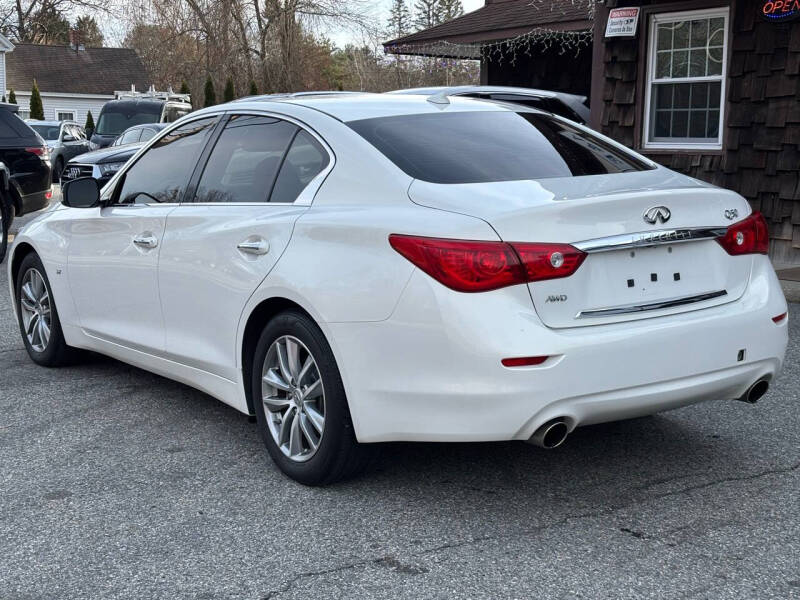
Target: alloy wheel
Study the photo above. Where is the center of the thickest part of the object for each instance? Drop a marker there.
(34, 305)
(294, 398)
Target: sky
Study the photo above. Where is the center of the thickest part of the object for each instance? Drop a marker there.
(381, 11)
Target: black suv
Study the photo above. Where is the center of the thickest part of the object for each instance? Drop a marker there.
(24, 171)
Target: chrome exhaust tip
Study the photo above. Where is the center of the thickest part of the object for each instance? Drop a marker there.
(756, 391)
(550, 435)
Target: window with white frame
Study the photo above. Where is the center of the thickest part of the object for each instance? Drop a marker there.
(65, 115)
(24, 113)
(686, 80)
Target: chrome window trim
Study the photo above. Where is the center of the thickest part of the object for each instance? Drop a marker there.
(660, 305)
(645, 239)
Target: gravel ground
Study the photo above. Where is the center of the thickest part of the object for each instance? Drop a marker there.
(120, 484)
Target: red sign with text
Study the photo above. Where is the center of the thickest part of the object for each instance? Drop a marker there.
(780, 10)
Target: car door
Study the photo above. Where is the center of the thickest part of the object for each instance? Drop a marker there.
(71, 142)
(260, 176)
(113, 250)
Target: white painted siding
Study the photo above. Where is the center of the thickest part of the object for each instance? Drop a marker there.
(79, 105)
(3, 72)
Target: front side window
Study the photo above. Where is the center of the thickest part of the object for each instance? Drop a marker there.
(686, 79)
(162, 173)
(245, 160)
(485, 146)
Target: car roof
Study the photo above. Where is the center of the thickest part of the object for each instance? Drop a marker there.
(50, 123)
(157, 126)
(353, 106)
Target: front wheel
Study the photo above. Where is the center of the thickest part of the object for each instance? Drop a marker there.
(38, 318)
(300, 403)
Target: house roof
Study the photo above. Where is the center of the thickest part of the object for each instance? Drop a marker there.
(498, 20)
(62, 69)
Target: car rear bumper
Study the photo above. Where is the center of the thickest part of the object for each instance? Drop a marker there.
(432, 371)
(35, 201)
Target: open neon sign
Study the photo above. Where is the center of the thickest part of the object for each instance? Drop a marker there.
(781, 10)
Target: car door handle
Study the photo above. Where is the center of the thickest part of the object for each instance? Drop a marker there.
(254, 246)
(145, 241)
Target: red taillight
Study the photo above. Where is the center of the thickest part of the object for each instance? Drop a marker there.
(527, 361)
(477, 266)
(37, 150)
(779, 318)
(462, 265)
(749, 236)
(549, 261)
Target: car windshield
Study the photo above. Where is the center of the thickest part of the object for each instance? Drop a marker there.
(48, 132)
(478, 147)
(115, 120)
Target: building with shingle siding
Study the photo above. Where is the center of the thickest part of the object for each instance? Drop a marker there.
(710, 88)
(72, 80)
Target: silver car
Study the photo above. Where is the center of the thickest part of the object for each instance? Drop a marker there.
(64, 139)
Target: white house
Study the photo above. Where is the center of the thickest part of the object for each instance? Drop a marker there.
(72, 81)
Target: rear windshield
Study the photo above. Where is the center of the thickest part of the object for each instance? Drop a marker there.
(116, 119)
(48, 132)
(478, 147)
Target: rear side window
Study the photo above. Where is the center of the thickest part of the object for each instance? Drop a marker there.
(305, 160)
(162, 173)
(478, 147)
(245, 160)
(130, 136)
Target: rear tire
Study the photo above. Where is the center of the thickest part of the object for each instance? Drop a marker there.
(37, 315)
(58, 168)
(5, 224)
(315, 444)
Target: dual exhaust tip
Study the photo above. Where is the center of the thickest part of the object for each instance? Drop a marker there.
(553, 433)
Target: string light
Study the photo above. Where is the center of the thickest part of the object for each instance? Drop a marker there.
(543, 38)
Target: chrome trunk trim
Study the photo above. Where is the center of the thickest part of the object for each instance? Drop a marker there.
(643, 239)
(661, 304)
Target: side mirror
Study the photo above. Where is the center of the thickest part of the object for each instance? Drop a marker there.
(81, 193)
(68, 138)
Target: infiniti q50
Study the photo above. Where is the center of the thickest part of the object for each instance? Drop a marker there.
(353, 269)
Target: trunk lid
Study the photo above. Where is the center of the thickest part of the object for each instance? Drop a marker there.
(644, 279)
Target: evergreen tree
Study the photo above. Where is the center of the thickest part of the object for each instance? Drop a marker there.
(12, 97)
(253, 88)
(399, 19)
(184, 87)
(37, 110)
(89, 126)
(426, 14)
(229, 94)
(450, 9)
(4, 99)
(89, 33)
(211, 95)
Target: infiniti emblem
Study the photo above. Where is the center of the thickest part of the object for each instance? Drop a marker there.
(657, 214)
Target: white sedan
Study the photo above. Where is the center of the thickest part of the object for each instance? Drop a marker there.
(366, 268)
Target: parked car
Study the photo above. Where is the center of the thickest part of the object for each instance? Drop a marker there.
(570, 106)
(118, 115)
(24, 170)
(138, 133)
(64, 139)
(367, 268)
(103, 164)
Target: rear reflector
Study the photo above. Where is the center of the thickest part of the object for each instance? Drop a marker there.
(779, 318)
(478, 266)
(48, 195)
(527, 361)
(749, 236)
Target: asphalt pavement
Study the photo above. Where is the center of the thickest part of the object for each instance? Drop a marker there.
(115, 483)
